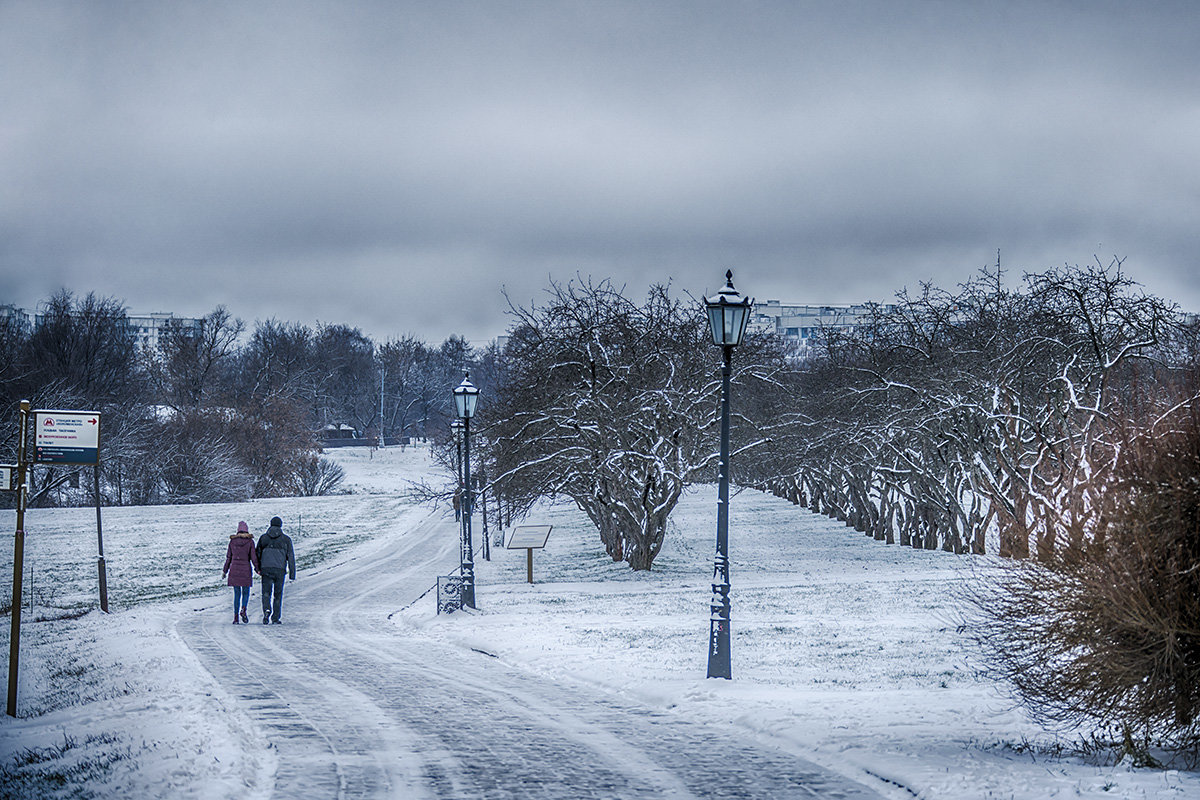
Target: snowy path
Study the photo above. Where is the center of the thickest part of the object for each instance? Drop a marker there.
(356, 709)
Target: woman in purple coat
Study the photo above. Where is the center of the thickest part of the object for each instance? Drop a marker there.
(239, 559)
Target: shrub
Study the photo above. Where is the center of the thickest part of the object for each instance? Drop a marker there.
(316, 476)
(1110, 633)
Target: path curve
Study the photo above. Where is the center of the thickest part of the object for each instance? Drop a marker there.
(355, 708)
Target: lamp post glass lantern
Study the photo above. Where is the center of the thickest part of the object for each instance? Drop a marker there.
(466, 395)
(728, 313)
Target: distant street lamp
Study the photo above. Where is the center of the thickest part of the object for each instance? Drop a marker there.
(466, 395)
(728, 313)
(382, 374)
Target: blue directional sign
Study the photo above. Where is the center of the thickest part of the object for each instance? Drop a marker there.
(66, 437)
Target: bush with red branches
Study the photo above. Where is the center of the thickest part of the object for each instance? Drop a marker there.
(1110, 633)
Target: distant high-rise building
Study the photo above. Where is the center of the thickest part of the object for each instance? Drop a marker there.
(9, 311)
(801, 324)
(146, 328)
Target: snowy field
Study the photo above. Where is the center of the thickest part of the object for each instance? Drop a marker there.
(845, 650)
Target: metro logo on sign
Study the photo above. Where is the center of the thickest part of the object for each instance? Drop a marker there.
(67, 437)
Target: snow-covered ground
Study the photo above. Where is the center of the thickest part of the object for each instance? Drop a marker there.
(845, 650)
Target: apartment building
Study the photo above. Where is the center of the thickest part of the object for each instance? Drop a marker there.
(146, 328)
(800, 324)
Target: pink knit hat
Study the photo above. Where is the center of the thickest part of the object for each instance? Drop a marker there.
(243, 527)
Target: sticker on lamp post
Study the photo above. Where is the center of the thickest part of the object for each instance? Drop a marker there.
(66, 437)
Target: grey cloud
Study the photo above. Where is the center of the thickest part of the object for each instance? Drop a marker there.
(300, 160)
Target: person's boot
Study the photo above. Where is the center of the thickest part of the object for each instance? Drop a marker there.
(266, 619)
(244, 617)
(235, 618)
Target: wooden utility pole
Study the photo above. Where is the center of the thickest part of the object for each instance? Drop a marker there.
(14, 644)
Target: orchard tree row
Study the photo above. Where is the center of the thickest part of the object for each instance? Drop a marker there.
(1057, 425)
(984, 419)
(1054, 423)
(218, 412)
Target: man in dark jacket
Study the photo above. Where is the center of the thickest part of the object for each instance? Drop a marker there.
(275, 557)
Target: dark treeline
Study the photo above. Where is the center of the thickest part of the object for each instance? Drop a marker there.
(218, 411)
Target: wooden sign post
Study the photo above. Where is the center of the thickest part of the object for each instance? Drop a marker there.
(14, 642)
(528, 538)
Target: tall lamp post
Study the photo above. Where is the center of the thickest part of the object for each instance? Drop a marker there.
(728, 313)
(456, 434)
(466, 395)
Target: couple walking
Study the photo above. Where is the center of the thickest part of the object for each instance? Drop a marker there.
(271, 558)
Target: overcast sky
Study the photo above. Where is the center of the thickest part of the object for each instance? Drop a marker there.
(393, 165)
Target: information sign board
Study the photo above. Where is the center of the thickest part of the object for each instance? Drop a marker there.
(528, 537)
(8, 477)
(66, 437)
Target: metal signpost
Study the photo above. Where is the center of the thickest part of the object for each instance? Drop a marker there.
(66, 437)
(60, 437)
(528, 538)
(73, 437)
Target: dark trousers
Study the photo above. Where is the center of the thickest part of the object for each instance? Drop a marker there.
(272, 589)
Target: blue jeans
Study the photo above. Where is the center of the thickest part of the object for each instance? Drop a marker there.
(241, 596)
(272, 589)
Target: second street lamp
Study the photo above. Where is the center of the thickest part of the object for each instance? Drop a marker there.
(728, 313)
(466, 395)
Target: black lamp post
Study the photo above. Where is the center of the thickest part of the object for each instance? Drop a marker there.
(456, 434)
(466, 395)
(728, 313)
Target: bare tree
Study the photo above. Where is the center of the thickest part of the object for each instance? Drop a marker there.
(278, 362)
(200, 460)
(610, 403)
(347, 385)
(402, 362)
(83, 348)
(187, 365)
